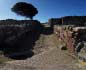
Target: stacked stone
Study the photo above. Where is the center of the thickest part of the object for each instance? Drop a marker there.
(80, 45)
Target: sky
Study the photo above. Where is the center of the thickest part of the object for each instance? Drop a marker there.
(46, 9)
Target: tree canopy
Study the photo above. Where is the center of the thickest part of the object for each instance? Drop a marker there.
(25, 9)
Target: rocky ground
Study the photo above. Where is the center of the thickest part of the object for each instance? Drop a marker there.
(48, 57)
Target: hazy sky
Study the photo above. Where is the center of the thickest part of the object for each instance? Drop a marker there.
(47, 8)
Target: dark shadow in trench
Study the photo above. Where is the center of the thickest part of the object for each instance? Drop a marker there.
(22, 47)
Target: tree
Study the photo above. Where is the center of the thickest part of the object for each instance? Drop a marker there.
(25, 9)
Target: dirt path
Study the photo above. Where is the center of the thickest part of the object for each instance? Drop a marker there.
(51, 58)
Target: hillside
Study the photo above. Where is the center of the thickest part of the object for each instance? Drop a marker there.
(69, 20)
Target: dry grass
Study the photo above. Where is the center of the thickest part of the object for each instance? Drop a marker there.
(56, 41)
(4, 59)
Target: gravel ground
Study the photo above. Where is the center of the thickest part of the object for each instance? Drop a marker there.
(51, 58)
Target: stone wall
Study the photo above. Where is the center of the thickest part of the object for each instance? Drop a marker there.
(74, 39)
